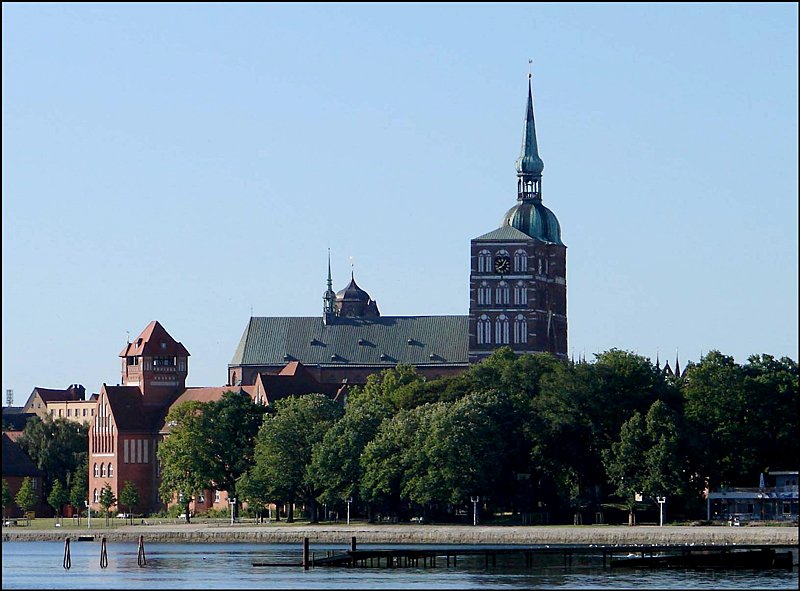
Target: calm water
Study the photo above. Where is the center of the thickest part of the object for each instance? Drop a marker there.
(38, 565)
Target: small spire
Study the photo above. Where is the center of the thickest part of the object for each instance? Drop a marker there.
(330, 281)
(529, 165)
(677, 365)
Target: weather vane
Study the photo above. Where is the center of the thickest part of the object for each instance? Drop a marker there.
(530, 61)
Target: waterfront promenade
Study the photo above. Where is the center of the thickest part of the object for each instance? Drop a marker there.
(418, 534)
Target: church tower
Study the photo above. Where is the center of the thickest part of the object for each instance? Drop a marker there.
(157, 364)
(518, 288)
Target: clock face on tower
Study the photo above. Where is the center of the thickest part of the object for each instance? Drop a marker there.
(502, 264)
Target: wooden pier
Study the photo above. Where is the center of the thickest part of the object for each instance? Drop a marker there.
(639, 556)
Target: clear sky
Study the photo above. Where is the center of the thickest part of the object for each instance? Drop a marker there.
(187, 163)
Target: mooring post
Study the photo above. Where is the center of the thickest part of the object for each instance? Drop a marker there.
(141, 560)
(67, 557)
(305, 554)
(353, 544)
(103, 553)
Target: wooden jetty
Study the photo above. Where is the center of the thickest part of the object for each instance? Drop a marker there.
(651, 556)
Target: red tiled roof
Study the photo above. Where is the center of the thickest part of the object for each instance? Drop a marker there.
(294, 379)
(208, 394)
(149, 342)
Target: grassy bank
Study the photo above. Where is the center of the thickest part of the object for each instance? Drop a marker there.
(219, 531)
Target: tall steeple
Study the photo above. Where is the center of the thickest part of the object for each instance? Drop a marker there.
(329, 297)
(529, 165)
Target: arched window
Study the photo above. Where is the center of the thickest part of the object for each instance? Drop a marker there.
(484, 330)
(111, 470)
(520, 329)
(484, 294)
(96, 470)
(484, 261)
(520, 261)
(96, 496)
(501, 330)
(102, 470)
(502, 294)
(520, 294)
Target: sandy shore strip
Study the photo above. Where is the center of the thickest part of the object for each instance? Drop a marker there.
(422, 534)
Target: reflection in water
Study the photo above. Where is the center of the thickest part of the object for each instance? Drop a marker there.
(230, 566)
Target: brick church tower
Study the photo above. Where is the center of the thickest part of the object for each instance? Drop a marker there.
(518, 288)
(157, 364)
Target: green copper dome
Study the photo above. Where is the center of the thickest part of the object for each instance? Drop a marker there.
(535, 220)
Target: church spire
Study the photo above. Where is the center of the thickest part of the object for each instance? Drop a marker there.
(329, 297)
(529, 165)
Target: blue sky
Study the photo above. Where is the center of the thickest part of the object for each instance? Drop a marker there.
(188, 162)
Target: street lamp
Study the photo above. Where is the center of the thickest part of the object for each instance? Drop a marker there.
(89, 509)
(233, 508)
(661, 501)
(475, 501)
(349, 500)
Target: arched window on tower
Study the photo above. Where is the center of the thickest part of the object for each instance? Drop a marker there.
(520, 261)
(484, 330)
(520, 329)
(502, 295)
(520, 294)
(484, 261)
(102, 470)
(96, 496)
(110, 470)
(96, 470)
(484, 294)
(501, 330)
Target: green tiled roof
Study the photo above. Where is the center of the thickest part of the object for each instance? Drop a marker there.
(504, 233)
(354, 341)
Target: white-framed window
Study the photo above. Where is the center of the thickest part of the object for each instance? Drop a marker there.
(502, 294)
(201, 498)
(96, 496)
(520, 329)
(484, 330)
(501, 330)
(216, 496)
(520, 294)
(102, 470)
(484, 261)
(110, 470)
(34, 483)
(126, 451)
(520, 261)
(484, 294)
(96, 470)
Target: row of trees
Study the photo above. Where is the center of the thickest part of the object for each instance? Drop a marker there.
(528, 434)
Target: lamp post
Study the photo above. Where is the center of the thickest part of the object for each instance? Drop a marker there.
(349, 500)
(233, 508)
(89, 514)
(661, 501)
(475, 501)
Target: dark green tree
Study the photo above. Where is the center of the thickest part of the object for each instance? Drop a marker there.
(79, 488)
(57, 446)
(107, 500)
(231, 425)
(58, 497)
(185, 456)
(26, 496)
(6, 496)
(129, 498)
(335, 464)
(284, 448)
(647, 459)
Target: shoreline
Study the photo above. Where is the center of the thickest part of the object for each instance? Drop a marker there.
(421, 534)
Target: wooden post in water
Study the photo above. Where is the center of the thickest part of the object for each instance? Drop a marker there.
(67, 558)
(306, 562)
(353, 544)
